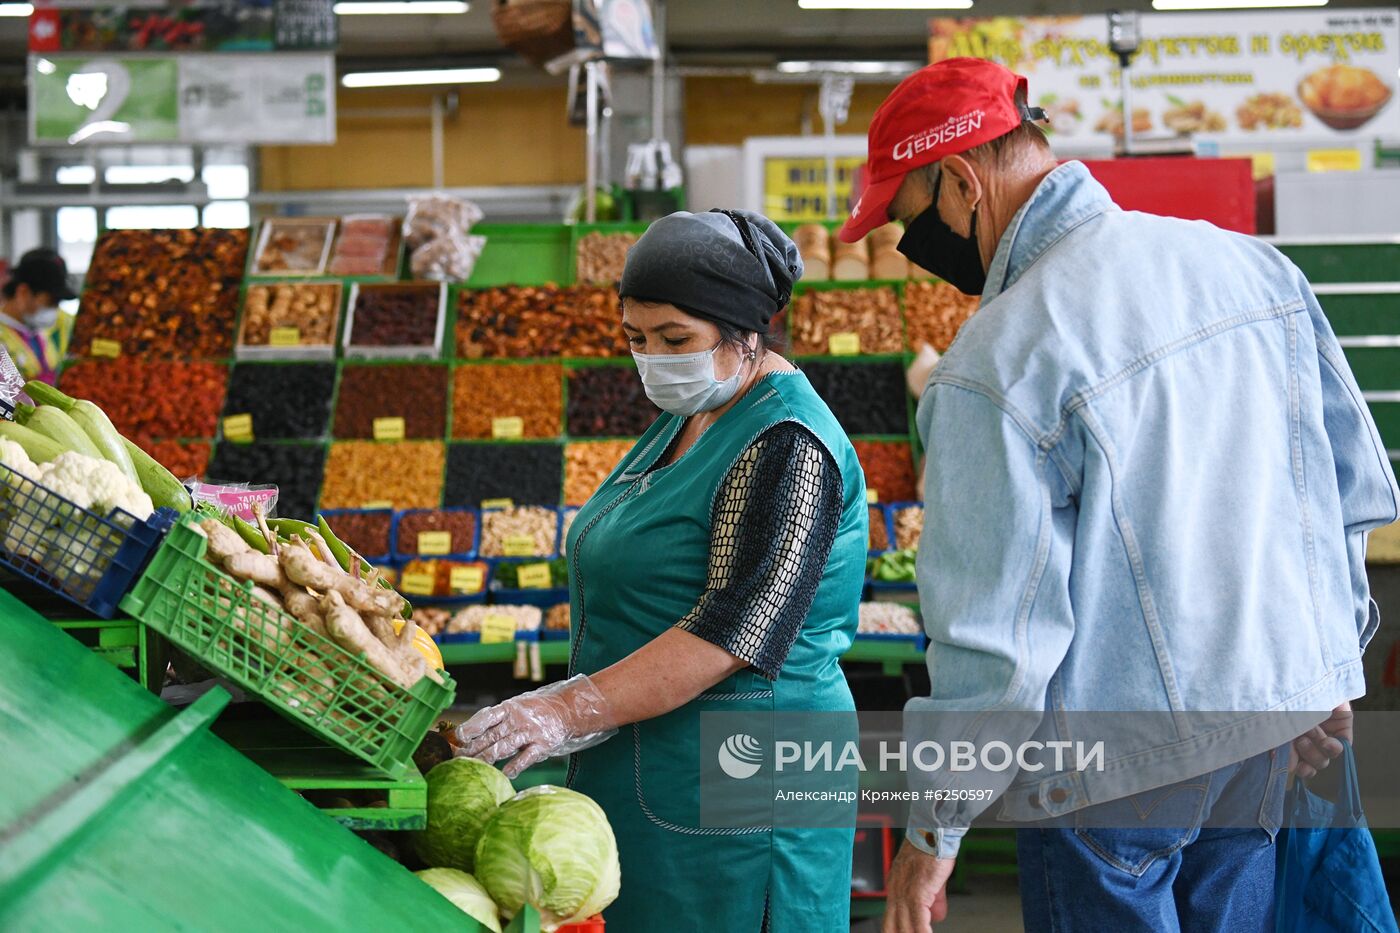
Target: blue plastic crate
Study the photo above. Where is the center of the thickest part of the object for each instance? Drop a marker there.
(89, 559)
(549, 634)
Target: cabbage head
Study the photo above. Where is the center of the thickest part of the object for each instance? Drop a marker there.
(466, 892)
(462, 795)
(552, 848)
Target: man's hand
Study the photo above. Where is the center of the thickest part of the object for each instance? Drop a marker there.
(917, 895)
(1315, 749)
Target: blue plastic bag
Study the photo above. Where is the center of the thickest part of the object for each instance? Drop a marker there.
(1329, 874)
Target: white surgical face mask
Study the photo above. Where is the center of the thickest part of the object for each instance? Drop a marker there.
(684, 384)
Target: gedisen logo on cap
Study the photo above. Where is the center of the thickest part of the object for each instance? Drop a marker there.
(922, 141)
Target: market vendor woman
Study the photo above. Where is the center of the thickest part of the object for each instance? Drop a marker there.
(718, 568)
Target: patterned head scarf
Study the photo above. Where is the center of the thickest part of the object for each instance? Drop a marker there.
(734, 267)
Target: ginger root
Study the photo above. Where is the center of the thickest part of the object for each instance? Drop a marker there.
(302, 567)
(351, 633)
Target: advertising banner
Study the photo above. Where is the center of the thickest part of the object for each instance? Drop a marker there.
(1258, 78)
(202, 26)
(287, 98)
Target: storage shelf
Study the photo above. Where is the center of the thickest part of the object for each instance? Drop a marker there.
(892, 654)
(302, 763)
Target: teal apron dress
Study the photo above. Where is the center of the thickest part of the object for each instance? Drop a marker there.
(639, 553)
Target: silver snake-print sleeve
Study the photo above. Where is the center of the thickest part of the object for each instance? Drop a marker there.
(775, 520)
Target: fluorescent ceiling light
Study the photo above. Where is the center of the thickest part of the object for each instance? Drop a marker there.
(1231, 4)
(16, 9)
(399, 7)
(850, 68)
(413, 78)
(885, 4)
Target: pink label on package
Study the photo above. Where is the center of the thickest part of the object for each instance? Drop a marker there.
(235, 500)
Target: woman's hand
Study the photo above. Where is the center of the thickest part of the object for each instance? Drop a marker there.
(1319, 746)
(558, 719)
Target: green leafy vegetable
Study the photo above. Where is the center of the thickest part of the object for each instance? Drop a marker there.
(551, 848)
(466, 892)
(462, 794)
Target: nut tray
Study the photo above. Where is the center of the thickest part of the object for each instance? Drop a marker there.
(305, 676)
(82, 556)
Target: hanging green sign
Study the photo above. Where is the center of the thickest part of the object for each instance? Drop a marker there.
(105, 99)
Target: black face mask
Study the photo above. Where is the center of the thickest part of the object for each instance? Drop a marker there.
(929, 242)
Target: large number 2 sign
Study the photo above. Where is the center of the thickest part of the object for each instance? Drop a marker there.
(102, 87)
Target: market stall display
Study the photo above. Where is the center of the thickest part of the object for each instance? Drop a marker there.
(290, 320)
(368, 532)
(152, 399)
(867, 398)
(881, 618)
(908, 525)
(879, 530)
(405, 475)
(187, 460)
(283, 400)
(293, 247)
(168, 293)
(608, 401)
(367, 245)
(600, 256)
(889, 469)
(415, 395)
(446, 580)
(399, 320)
(294, 468)
(587, 464)
(539, 321)
(520, 531)
(526, 473)
(526, 620)
(437, 532)
(507, 401)
(933, 312)
(851, 321)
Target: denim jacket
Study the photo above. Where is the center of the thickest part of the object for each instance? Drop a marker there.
(1150, 477)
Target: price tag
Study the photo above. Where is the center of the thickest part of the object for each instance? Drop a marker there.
(284, 337)
(1261, 164)
(467, 580)
(507, 429)
(497, 504)
(378, 504)
(434, 542)
(238, 428)
(1328, 160)
(108, 348)
(417, 584)
(496, 629)
(844, 344)
(520, 546)
(388, 429)
(534, 577)
(872, 496)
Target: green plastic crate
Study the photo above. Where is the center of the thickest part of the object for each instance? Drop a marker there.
(219, 622)
(523, 254)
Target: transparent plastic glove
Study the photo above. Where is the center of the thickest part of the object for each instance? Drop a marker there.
(557, 719)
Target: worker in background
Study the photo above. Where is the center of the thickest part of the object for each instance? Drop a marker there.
(32, 328)
(1149, 482)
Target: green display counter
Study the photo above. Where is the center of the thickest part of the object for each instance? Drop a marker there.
(120, 813)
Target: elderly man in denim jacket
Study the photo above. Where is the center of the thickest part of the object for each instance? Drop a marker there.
(1150, 479)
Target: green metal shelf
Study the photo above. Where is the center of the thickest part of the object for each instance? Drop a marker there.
(892, 654)
(304, 764)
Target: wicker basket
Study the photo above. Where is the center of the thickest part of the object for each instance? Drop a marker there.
(538, 30)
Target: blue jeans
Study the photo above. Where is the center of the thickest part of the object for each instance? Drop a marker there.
(1117, 868)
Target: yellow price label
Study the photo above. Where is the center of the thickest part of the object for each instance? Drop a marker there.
(872, 496)
(1334, 160)
(238, 428)
(844, 344)
(417, 584)
(507, 429)
(1383, 545)
(388, 429)
(284, 337)
(378, 504)
(1261, 164)
(108, 348)
(467, 580)
(434, 542)
(497, 628)
(497, 503)
(534, 577)
(520, 546)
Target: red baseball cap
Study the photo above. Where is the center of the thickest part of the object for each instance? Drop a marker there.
(949, 107)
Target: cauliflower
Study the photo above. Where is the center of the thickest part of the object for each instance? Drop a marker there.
(14, 457)
(95, 484)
